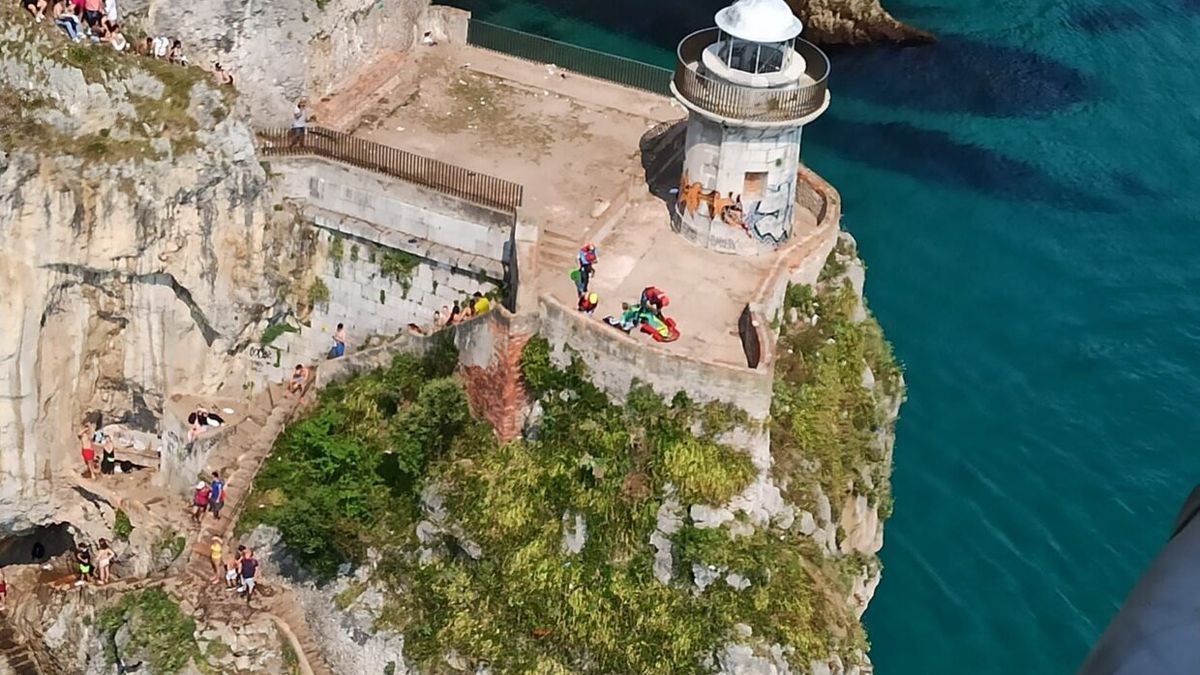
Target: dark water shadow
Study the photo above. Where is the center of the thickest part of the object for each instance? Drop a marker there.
(935, 157)
(958, 75)
(661, 23)
(1101, 20)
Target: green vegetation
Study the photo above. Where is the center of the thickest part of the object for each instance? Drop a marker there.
(350, 477)
(23, 125)
(291, 660)
(347, 597)
(824, 420)
(318, 293)
(122, 528)
(159, 630)
(399, 266)
(273, 331)
(173, 543)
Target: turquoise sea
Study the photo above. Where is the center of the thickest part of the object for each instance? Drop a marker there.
(1025, 194)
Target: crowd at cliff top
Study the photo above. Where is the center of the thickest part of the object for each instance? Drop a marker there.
(97, 21)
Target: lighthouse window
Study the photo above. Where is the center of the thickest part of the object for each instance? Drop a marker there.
(752, 57)
(752, 189)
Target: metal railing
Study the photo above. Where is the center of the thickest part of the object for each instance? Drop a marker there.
(456, 181)
(570, 57)
(745, 102)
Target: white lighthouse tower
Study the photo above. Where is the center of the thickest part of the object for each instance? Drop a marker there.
(750, 85)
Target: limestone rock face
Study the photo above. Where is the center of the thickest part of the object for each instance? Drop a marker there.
(854, 22)
(135, 261)
(279, 50)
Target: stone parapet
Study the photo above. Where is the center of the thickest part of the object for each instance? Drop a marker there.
(616, 360)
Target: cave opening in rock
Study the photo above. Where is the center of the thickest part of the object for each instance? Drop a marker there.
(40, 545)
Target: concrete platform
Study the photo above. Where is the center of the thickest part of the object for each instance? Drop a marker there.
(597, 161)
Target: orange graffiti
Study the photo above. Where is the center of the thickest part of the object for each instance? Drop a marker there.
(728, 209)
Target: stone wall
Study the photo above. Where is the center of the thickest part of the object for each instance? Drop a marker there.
(372, 302)
(615, 360)
(398, 214)
(490, 362)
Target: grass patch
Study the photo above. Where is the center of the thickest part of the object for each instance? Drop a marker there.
(159, 631)
(398, 266)
(347, 597)
(348, 478)
(823, 419)
(291, 660)
(122, 528)
(173, 543)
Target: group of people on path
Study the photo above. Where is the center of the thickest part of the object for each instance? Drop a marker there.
(240, 571)
(89, 439)
(98, 21)
(208, 496)
(94, 566)
(477, 305)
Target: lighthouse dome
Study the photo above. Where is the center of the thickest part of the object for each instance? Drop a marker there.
(761, 21)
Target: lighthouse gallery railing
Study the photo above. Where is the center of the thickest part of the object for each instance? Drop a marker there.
(744, 102)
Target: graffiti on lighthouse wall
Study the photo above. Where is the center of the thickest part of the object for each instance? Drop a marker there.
(765, 219)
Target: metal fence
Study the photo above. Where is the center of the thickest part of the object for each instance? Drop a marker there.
(577, 59)
(449, 179)
(744, 102)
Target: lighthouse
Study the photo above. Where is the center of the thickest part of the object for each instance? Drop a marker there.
(750, 85)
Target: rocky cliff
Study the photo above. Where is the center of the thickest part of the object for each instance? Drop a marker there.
(854, 22)
(280, 50)
(138, 247)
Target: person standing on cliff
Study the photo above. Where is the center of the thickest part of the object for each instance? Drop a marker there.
(587, 264)
(339, 342)
(88, 452)
(200, 502)
(249, 569)
(216, 496)
(300, 123)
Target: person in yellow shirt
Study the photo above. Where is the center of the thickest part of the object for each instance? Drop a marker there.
(481, 304)
(214, 556)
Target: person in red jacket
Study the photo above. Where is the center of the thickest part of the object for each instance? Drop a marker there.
(588, 302)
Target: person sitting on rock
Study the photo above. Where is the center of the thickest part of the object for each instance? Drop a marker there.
(480, 304)
(222, 76)
(65, 19)
(299, 380)
(176, 54)
(36, 8)
(115, 38)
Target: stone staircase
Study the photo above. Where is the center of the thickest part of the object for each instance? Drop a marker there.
(557, 253)
(16, 654)
(239, 458)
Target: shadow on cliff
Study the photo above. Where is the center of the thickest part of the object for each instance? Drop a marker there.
(935, 157)
(959, 75)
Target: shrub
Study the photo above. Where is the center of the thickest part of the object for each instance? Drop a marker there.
(318, 293)
(122, 528)
(159, 630)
